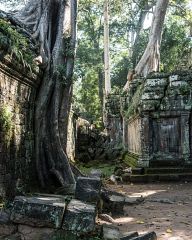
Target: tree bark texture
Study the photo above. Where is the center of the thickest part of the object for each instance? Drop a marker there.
(150, 60)
(53, 24)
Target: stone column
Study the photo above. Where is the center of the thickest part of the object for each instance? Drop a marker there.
(145, 141)
(185, 135)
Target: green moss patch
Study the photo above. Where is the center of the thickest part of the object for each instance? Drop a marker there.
(107, 169)
(131, 159)
(134, 104)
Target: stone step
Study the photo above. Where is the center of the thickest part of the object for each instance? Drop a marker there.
(170, 170)
(147, 178)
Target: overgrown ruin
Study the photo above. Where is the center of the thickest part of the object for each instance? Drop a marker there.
(154, 116)
(150, 121)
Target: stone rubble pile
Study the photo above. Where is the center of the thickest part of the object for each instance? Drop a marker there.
(94, 145)
(48, 217)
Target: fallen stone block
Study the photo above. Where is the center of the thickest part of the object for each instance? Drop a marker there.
(32, 233)
(114, 204)
(147, 236)
(79, 217)
(111, 232)
(95, 173)
(4, 217)
(15, 236)
(88, 189)
(7, 229)
(126, 177)
(133, 200)
(129, 235)
(38, 211)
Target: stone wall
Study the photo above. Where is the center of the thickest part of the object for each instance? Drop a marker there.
(157, 119)
(134, 135)
(17, 95)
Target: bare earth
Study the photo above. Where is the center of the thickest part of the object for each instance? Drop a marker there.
(167, 210)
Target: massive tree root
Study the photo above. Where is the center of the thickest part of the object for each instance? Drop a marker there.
(53, 24)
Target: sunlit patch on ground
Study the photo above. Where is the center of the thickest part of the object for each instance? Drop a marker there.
(171, 218)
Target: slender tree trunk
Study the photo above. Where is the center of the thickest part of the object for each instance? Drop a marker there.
(53, 24)
(106, 48)
(144, 11)
(150, 60)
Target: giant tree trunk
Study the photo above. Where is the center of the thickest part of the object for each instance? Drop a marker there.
(53, 24)
(150, 60)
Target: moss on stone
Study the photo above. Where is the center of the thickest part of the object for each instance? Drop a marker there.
(6, 122)
(131, 159)
(134, 105)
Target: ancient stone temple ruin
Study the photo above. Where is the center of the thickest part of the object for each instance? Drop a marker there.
(155, 119)
(17, 95)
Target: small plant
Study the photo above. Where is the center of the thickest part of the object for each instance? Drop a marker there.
(61, 73)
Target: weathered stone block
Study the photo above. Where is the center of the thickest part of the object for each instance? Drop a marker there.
(110, 232)
(95, 173)
(88, 189)
(32, 233)
(7, 229)
(129, 235)
(79, 217)
(147, 236)
(114, 204)
(38, 211)
(4, 217)
(156, 82)
(174, 78)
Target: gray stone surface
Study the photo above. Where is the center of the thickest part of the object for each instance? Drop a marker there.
(133, 200)
(17, 97)
(79, 217)
(88, 189)
(7, 229)
(4, 216)
(129, 235)
(147, 236)
(111, 232)
(95, 173)
(38, 211)
(35, 233)
(114, 204)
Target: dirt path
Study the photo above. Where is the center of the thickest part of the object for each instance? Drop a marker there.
(167, 210)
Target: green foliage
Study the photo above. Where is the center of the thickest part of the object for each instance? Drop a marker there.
(107, 169)
(86, 98)
(175, 43)
(6, 122)
(17, 45)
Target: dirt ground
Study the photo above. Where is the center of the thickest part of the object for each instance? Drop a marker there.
(167, 210)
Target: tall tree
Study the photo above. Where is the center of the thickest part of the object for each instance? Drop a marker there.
(106, 48)
(53, 24)
(150, 60)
